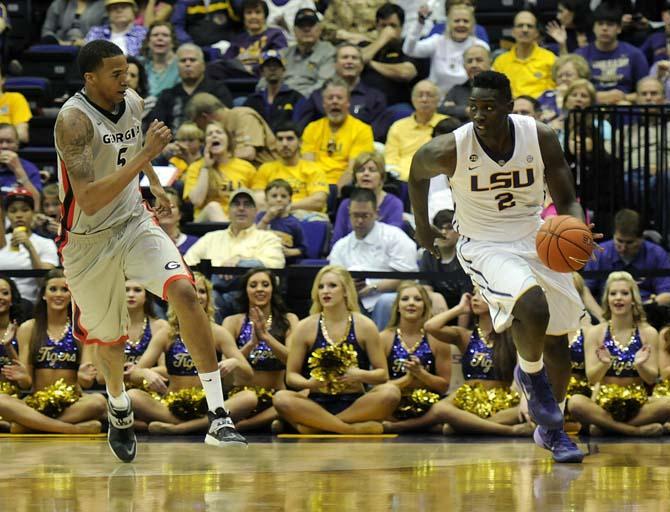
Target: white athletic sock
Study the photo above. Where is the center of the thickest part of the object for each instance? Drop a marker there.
(562, 405)
(211, 383)
(121, 402)
(530, 366)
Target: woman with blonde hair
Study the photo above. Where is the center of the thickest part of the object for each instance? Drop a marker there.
(183, 409)
(369, 172)
(566, 69)
(621, 357)
(329, 372)
(419, 365)
(211, 180)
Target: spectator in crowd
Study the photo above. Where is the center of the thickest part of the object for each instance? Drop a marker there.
(369, 174)
(629, 251)
(310, 61)
(121, 28)
(616, 66)
(68, 21)
(210, 181)
(16, 172)
(565, 70)
(407, 135)
(171, 104)
(387, 68)
(186, 149)
(365, 103)
(137, 81)
(656, 45)
(526, 106)
(46, 223)
(171, 223)
(572, 27)
(307, 178)
(23, 249)
(526, 64)
(14, 110)
(334, 141)
(455, 282)
(351, 21)
(159, 57)
(276, 102)
(251, 137)
(278, 219)
(155, 11)
(445, 50)
(204, 22)
(475, 60)
(661, 71)
(282, 14)
(257, 38)
(242, 244)
(374, 246)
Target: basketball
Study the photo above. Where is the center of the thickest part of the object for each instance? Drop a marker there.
(564, 243)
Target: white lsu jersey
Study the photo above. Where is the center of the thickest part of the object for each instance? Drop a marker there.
(498, 201)
(117, 138)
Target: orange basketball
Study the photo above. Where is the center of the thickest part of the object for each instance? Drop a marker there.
(564, 243)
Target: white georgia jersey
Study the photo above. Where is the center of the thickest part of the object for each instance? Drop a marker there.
(498, 201)
(117, 138)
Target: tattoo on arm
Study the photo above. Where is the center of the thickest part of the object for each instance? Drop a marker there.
(74, 133)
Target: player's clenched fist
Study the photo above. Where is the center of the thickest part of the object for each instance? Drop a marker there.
(157, 137)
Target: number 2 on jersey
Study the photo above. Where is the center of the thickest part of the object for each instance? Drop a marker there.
(120, 161)
(505, 200)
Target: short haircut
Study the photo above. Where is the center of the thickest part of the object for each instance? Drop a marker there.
(478, 47)
(347, 45)
(443, 217)
(202, 103)
(607, 12)
(363, 195)
(287, 126)
(640, 82)
(189, 130)
(175, 193)
(369, 156)
(279, 183)
(50, 190)
(336, 81)
(92, 55)
(9, 126)
(580, 63)
(628, 223)
(447, 125)
(253, 4)
(533, 101)
(194, 47)
(387, 10)
(496, 81)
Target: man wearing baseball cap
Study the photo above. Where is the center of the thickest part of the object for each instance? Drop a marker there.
(22, 249)
(121, 28)
(276, 101)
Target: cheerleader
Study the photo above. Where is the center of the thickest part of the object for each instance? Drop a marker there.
(330, 371)
(419, 365)
(484, 404)
(621, 357)
(143, 324)
(54, 364)
(9, 347)
(184, 408)
(261, 333)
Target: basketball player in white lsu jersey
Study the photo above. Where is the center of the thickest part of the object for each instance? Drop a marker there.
(497, 166)
(108, 236)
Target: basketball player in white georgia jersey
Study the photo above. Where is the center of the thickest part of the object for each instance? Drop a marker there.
(497, 166)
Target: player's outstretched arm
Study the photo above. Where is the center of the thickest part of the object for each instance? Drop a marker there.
(432, 159)
(74, 135)
(557, 173)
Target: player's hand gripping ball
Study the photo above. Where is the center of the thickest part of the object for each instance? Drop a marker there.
(564, 243)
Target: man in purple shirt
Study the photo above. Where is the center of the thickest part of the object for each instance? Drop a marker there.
(616, 66)
(629, 251)
(16, 172)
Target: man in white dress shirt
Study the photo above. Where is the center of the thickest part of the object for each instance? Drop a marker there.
(374, 246)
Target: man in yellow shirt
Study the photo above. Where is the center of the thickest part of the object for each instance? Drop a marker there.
(307, 179)
(527, 66)
(14, 109)
(335, 141)
(407, 135)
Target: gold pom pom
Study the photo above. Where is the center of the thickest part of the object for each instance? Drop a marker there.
(415, 403)
(622, 402)
(329, 363)
(578, 386)
(484, 402)
(54, 399)
(264, 396)
(9, 388)
(186, 404)
(662, 389)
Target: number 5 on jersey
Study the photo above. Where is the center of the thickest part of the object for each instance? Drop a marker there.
(120, 160)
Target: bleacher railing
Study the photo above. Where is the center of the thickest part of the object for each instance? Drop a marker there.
(620, 159)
